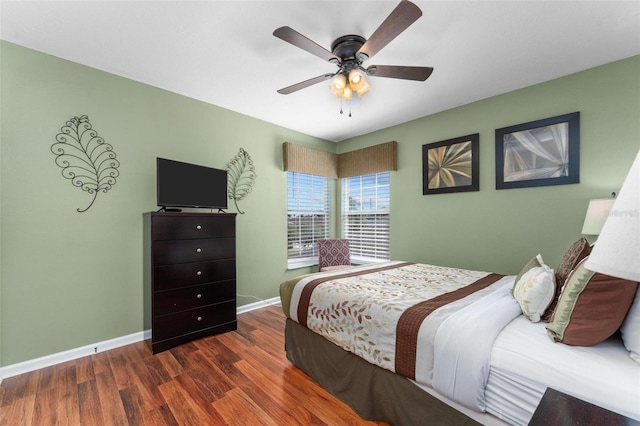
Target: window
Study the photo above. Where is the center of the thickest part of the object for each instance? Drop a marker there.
(307, 217)
(365, 216)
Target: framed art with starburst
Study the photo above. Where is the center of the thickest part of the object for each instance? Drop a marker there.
(451, 165)
(539, 153)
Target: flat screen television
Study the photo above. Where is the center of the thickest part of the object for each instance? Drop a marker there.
(190, 185)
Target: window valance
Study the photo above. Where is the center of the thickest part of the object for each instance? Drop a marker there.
(372, 159)
(302, 159)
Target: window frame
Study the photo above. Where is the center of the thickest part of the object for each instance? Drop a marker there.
(377, 248)
(304, 207)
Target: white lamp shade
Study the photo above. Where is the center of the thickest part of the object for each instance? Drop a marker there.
(597, 214)
(617, 251)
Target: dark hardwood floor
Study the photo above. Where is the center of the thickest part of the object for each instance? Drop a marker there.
(236, 378)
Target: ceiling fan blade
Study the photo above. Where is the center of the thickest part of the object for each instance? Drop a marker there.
(303, 84)
(290, 35)
(403, 72)
(405, 14)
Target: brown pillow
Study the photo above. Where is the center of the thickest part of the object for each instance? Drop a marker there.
(591, 308)
(578, 251)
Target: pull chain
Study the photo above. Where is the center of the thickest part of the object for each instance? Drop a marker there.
(348, 103)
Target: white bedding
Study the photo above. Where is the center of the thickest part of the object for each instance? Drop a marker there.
(463, 346)
(524, 362)
(489, 357)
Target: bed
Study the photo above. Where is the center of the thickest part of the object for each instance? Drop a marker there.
(410, 343)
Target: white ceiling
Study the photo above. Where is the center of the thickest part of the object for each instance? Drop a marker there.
(224, 53)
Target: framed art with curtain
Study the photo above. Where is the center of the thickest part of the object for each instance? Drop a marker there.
(539, 153)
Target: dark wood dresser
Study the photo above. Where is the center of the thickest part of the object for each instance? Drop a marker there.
(190, 276)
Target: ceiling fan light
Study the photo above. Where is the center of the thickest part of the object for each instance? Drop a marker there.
(363, 90)
(338, 83)
(347, 93)
(356, 79)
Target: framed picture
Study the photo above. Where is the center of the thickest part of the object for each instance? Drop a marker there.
(539, 153)
(451, 165)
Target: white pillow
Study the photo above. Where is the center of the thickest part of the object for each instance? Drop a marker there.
(630, 329)
(534, 290)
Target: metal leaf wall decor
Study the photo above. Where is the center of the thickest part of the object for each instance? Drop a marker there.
(85, 158)
(241, 176)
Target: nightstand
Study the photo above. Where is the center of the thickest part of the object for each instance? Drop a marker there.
(559, 409)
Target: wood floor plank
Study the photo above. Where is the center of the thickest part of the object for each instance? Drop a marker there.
(89, 405)
(108, 392)
(211, 380)
(241, 377)
(20, 412)
(238, 409)
(84, 369)
(160, 416)
(119, 358)
(275, 400)
(18, 387)
(100, 362)
(147, 385)
(45, 410)
(184, 409)
(133, 403)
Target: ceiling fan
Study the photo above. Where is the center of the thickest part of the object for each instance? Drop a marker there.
(349, 52)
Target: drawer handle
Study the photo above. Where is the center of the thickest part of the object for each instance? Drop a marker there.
(198, 250)
(198, 227)
(199, 318)
(199, 296)
(199, 273)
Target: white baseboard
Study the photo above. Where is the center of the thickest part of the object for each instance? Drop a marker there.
(71, 354)
(257, 305)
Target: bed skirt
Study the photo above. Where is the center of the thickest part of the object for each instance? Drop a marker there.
(374, 393)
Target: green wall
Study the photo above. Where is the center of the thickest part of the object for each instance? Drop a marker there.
(69, 279)
(499, 230)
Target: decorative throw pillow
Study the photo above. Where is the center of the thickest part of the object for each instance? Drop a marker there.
(592, 306)
(578, 251)
(631, 329)
(533, 263)
(534, 289)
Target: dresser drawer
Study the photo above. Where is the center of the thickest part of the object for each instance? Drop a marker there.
(172, 301)
(182, 251)
(185, 274)
(192, 320)
(171, 227)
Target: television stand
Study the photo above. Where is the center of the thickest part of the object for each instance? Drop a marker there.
(164, 209)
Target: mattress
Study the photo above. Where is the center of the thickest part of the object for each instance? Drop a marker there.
(524, 362)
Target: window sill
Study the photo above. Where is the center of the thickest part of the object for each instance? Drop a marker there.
(301, 264)
(366, 260)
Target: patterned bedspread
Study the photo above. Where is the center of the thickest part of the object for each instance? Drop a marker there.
(387, 313)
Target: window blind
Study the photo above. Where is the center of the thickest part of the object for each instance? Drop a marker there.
(365, 216)
(307, 217)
